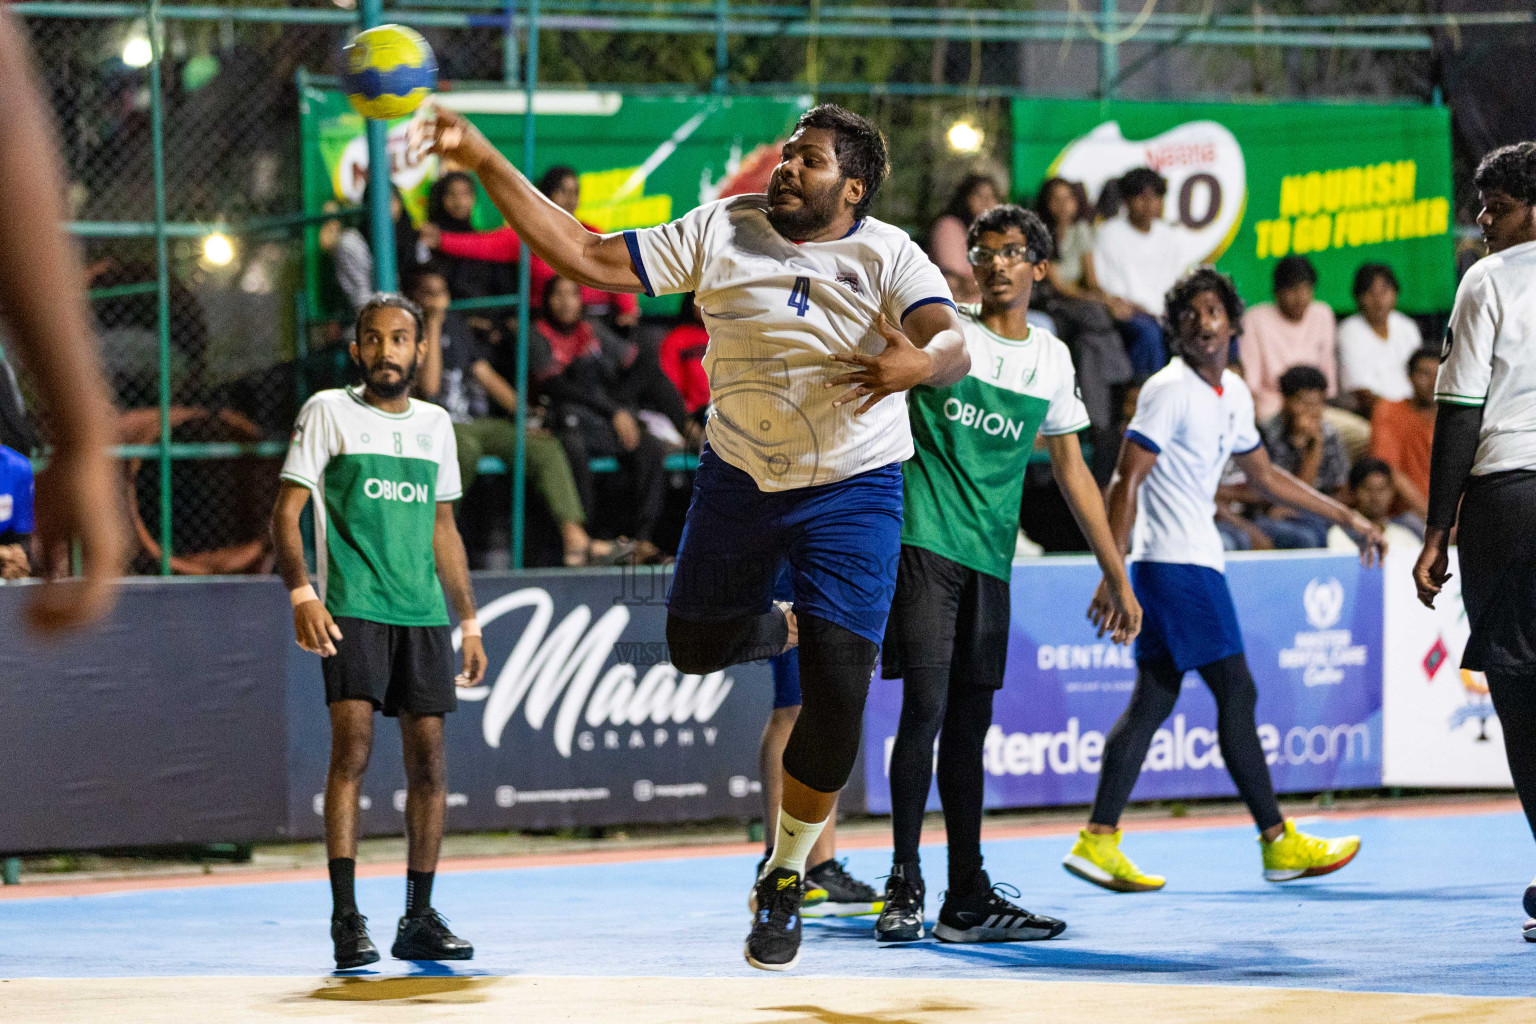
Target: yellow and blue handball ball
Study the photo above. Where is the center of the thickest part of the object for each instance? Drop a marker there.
(387, 71)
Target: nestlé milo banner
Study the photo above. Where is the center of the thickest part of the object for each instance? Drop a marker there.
(1250, 183)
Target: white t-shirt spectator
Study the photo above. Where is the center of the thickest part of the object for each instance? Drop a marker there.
(1369, 362)
(1137, 265)
(1271, 344)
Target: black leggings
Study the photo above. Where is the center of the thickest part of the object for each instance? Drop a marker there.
(1157, 689)
(946, 703)
(835, 668)
(1514, 698)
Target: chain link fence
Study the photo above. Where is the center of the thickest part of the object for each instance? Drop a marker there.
(241, 349)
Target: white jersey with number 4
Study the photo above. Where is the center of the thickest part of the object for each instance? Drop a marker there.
(775, 310)
(1489, 357)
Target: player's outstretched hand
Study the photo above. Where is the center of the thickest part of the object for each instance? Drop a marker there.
(1429, 572)
(1373, 544)
(474, 663)
(901, 367)
(454, 138)
(1115, 610)
(77, 499)
(315, 629)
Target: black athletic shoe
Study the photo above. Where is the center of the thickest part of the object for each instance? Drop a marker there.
(426, 937)
(983, 915)
(901, 920)
(774, 942)
(846, 895)
(349, 933)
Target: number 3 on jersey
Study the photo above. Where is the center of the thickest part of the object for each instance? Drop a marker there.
(800, 295)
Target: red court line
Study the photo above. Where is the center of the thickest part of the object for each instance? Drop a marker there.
(855, 840)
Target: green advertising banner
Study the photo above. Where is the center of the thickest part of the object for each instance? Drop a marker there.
(642, 160)
(1249, 184)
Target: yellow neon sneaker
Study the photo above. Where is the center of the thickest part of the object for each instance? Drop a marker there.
(1299, 855)
(1097, 859)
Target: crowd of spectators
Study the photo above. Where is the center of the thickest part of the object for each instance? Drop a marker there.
(1347, 406)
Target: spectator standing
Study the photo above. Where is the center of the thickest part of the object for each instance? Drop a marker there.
(1372, 494)
(976, 194)
(456, 374)
(1402, 433)
(1293, 330)
(1136, 260)
(562, 186)
(1375, 344)
(15, 514)
(595, 401)
(1070, 293)
(1303, 443)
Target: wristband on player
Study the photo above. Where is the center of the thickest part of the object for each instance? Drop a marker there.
(302, 595)
(471, 627)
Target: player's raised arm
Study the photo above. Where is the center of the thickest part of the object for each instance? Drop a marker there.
(600, 261)
(42, 296)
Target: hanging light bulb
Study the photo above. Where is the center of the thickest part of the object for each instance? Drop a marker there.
(137, 52)
(218, 250)
(964, 137)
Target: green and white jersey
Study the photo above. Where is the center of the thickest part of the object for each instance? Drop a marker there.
(974, 438)
(376, 478)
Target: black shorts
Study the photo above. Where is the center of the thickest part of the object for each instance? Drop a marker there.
(945, 615)
(1496, 545)
(398, 668)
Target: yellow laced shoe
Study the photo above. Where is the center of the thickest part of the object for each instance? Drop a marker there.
(1299, 855)
(1097, 859)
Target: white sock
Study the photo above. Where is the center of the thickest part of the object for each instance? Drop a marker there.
(793, 846)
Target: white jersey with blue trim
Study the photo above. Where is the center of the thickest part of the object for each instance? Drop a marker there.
(1193, 428)
(775, 310)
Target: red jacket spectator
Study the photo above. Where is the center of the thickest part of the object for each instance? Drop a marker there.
(682, 358)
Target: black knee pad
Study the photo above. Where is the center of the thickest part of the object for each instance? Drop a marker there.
(698, 647)
(835, 669)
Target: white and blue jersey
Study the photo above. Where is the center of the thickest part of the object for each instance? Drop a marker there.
(775, 310)
(1176, 554)
(15, 493)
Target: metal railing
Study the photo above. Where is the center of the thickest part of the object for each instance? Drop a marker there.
(515, 27)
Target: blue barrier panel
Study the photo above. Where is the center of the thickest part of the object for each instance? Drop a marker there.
(581, 721)
(1312, 627)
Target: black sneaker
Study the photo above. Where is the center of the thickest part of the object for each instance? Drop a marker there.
(846, 895)
(981, 914)
(349, 934)
(426, 937)
(901, 920)
(774, 942)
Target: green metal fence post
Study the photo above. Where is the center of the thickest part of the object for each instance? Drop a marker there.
(163, 272)
(1109, 47)
(383, 241)
(722, 44)
(519, 465)
(509, 45)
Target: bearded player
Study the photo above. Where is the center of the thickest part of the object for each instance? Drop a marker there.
(384, 473)
(803, 461)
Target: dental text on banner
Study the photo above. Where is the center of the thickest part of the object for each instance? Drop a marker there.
(1312, 629)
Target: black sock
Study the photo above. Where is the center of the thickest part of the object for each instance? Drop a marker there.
(418, 892)
(343, 885)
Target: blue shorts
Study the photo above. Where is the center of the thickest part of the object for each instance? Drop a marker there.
(842, 541)
(786, 666)
(1187, 614)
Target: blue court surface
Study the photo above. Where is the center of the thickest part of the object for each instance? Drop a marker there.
(1431, 905)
